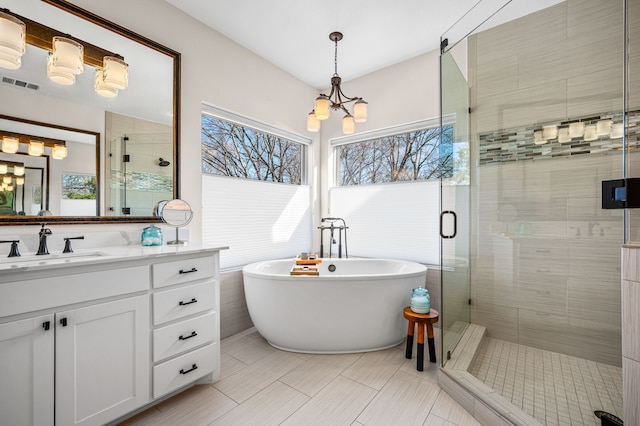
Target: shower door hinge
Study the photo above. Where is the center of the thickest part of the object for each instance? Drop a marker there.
(443, 44)
(469, 110)
(469, 301)
(126, 158)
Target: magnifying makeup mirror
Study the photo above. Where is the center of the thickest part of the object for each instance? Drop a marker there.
(176, 213)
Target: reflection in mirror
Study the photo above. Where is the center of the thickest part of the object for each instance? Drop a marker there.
(137, 127)
(51, 184)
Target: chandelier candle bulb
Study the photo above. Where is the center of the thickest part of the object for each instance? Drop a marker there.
(322, 108)
(313, 124)
(348, 125)
(360, 111)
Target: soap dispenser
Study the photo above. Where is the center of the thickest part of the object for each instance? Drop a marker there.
(152, 236)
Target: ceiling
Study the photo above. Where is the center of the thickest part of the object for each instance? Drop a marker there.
(294, 34)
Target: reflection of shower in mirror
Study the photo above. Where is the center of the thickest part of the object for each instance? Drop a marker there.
(163, 163)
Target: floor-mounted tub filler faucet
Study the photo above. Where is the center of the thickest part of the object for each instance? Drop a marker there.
(342, 226)
(43, 234)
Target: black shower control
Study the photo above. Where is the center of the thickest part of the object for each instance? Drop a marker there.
(621, 193)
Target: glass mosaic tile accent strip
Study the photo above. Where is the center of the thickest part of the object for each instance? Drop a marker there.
(141, 181)
(518, 144)
(553, 388)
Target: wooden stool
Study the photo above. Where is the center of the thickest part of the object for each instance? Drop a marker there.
(423, 320)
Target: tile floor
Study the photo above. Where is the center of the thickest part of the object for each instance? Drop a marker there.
(553, 388)
(263, 386)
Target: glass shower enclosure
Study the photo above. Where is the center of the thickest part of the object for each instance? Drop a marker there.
(542, 116)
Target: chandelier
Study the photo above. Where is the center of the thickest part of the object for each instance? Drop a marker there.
(337, 100)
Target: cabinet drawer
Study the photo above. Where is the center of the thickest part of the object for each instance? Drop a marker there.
(183, 301)
(182, 271)
(181, 371)
(183, 336)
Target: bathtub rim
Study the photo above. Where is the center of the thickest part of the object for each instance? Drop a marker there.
(251, 271)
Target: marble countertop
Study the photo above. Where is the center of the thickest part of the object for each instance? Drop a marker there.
(31, 262)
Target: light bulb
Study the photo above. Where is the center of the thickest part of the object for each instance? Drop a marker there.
(313, 124)
(348, 125)
(322, 107)
(360, 111)
(36, 148)
(10, 145)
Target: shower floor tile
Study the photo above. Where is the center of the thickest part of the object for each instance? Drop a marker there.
(553, 388)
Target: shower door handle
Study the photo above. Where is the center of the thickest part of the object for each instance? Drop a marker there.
(455, 223)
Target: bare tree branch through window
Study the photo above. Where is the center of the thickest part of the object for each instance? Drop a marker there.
(230, 149)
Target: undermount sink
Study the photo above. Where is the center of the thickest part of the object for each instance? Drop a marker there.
(31, 259)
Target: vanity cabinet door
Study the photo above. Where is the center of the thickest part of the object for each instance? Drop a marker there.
(102, 361)
(26, 371)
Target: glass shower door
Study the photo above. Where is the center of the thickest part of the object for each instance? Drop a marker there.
(455, 203)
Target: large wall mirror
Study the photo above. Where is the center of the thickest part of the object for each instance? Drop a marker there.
(120, 155)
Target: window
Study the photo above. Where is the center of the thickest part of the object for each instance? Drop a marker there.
(254, 197)
(232, 149)
(420, 154)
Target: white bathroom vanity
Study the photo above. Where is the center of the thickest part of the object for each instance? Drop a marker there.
(89, 337)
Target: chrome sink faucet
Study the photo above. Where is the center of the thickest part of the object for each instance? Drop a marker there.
(43, 234)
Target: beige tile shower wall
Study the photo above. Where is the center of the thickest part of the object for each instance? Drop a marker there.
(630, 333)
(547, 263)
(564, 61)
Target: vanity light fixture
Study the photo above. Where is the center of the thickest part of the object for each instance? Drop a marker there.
(12, 41)
(19, 181)
(58, 75)
(7, 179)
(116, 72)
(68, 55)
(9, 145)
(59, 152)
(18, 170)
(36, 148)
(101, 87)
(337, 100)
(3, 169)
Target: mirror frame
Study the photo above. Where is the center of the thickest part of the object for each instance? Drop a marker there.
(118, 29)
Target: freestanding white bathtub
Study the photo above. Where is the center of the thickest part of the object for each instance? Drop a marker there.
(356, 308)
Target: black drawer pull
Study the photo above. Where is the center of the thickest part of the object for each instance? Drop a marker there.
(182, 271)
(63, 322)
(193, 367)
(187, 303)
(193, 334)
(46, 325)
